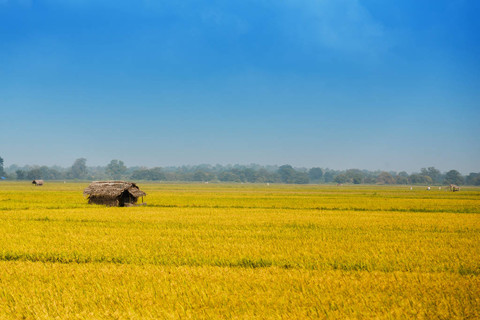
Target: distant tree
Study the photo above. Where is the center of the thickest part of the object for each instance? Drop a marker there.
(2, 172)
(250, 174)
(403, 174)
(416, 178)
(476, 181)
(453, 177)
(357, 179)
(401, 179)
(149, 174)
(140, 174)
(34, 173)
(287, 173)
(328, 176)
(237, 172)
(201, 175)
(115, 169)
(244, 174)
(432, 173)
(50, 173)
(315, 174)
(385, 178)
(157, 174)
(228, 176)
(473, 179)
(171, 176)
(78, 169)
(354, 175)
(370, 179)
(20, 175)
(264, 175)
(301, 178)
(340, 178)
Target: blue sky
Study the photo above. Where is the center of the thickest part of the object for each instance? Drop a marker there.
(390, 85)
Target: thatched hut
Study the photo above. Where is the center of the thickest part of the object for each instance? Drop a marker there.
(114, 193)
(454, 187)
(37, 183)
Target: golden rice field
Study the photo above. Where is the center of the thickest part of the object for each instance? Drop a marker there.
(214, 251)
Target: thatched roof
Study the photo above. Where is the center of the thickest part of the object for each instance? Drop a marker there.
(112, 189)
(37, 182)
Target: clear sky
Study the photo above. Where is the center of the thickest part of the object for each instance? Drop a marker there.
(369, 84)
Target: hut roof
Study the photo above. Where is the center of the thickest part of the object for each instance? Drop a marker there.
(37, 181)
(112, 189)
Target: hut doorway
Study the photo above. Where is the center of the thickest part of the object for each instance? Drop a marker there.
(125, 198)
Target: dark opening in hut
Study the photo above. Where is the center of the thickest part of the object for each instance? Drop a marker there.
(37, 182)
(114, 193)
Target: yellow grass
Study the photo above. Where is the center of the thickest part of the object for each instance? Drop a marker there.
(240, 251)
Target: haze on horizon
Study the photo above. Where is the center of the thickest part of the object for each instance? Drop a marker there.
(337, 84)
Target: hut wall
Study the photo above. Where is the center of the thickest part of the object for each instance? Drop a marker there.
(111, 202)
(121, 201)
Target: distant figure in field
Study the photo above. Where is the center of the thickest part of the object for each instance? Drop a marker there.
(411, 188)
(428, 188)
(439, 188)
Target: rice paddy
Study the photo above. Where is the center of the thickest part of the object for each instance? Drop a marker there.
(240, 251)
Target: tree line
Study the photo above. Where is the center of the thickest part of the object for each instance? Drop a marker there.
(253, 173)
